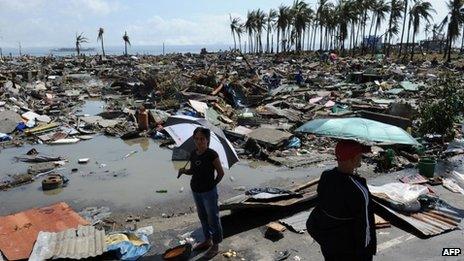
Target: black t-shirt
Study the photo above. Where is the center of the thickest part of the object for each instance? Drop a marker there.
(202, 169)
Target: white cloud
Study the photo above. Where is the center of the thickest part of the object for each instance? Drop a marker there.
(23, 5)
(101, 7)
(207, 29)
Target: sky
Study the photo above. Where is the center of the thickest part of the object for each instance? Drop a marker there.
(54, 23)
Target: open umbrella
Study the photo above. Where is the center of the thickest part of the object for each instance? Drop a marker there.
(181, 128)
(359, 129)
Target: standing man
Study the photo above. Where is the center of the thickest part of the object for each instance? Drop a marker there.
(343, 220)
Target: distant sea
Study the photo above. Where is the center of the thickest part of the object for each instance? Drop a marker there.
(116, 50)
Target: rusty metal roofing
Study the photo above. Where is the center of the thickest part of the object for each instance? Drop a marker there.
(84, 242)
(430, 222)
(19, 231)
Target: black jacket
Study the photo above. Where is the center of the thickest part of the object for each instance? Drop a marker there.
(338, 222)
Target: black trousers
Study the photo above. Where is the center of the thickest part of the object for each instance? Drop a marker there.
(346, 257)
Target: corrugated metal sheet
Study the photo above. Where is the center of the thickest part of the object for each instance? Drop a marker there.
(19, 231)
(84, 242)
(297, 222)
(430, 222)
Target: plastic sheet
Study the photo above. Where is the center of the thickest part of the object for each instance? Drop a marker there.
(400, 192)
(131, 245)
(294, 143)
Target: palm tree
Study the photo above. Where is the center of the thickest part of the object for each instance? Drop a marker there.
(260, 23)
(100, 38)
(380, 10)
(239, 32)
(404, 25)
(283, 18)
(79, 40)
(454, 26)
(125, 37)
(349, 12)
(234, 23)
(249, 27)
(367, 6)
(420, 10)
(321, 12)
(270, 21)
(396, 6)
(300, 20)
(309, 23)
(358, 8)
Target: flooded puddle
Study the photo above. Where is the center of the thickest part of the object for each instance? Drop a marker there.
(110, 177)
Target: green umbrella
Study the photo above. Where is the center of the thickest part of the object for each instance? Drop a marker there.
(359, 129)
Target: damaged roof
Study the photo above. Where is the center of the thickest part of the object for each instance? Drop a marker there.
(19, 231)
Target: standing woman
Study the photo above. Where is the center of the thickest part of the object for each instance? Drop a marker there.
(343, 220)
(204, 162)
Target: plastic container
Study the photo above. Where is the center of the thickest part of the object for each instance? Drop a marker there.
(427, 167)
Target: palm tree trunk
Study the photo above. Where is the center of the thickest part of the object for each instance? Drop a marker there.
(404, 25)
(272, 43)
(326, 39)
(462, 42)
(320, 48)
(125, 48)
(364, 23)
(283, 41)
(372, 24)
(407, 38)
(388, 35)
(240, 43)
(103, 48)
(267, 39)
(413, 45)
(278, 38)
(374, 46)
(302, 37)
(358, 33)
(314, 37)
(450, 43)
(235, 43)
(308, 41)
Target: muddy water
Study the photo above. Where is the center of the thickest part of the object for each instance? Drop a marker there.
(110, 178)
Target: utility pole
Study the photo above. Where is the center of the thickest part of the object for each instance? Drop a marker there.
(20, 52)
